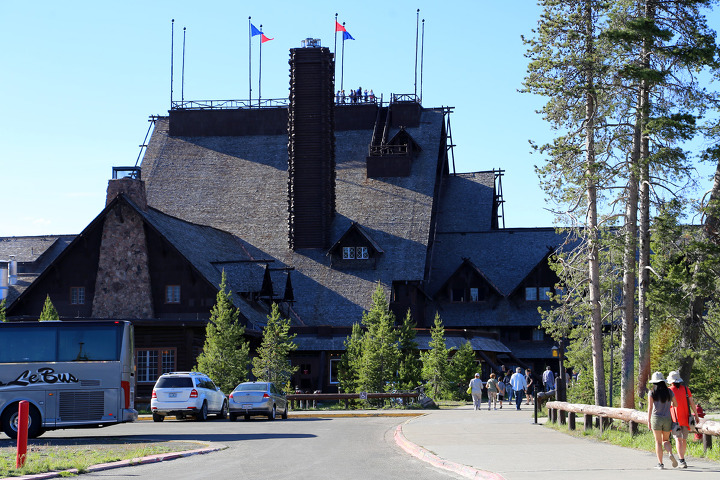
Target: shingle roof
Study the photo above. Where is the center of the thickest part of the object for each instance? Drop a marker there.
(506, 257)
(490, 314)
(337, 343)
(466, 202)
(239, 184)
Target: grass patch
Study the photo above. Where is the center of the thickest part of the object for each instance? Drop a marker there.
(61, 454)
(619, 434)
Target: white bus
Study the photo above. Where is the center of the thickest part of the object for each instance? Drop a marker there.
(73, 373)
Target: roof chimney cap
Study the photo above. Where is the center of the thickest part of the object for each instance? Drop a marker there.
(310, 43)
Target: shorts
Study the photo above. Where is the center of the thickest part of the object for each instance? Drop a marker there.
(681, 432)
(660, 423)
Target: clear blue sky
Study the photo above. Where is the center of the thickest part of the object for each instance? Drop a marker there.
(80, 78)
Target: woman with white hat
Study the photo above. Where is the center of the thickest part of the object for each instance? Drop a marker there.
(660, 400)
(681, 414)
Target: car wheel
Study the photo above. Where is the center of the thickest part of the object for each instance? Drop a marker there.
(180, 416)
(223, 411)
(157, 417)
(233, 417)
(202, 415)
(273, 412)
(284, 414)
(9, 422)
(247, 417)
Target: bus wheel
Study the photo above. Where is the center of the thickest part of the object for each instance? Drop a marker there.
(9, 422)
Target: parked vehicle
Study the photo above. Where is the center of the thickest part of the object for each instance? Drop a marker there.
(73, 373)
(257, 398)
(187, 393)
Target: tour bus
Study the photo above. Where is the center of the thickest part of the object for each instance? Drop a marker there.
(73, 374)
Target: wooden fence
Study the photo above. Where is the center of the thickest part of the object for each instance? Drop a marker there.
(603, 416)
(315, 397)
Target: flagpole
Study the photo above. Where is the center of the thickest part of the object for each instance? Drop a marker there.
(422, 57)
(172, 51)
(260, 70)
(182, 88)
(335, 28)
(417, 28)
(342, 64)
(249, 63)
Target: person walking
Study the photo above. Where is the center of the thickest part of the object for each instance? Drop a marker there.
(518, 384)
(681, 413)
(530, 389)
(548, 379)
(508, 386)
(501, 390)
(492, 389)
(659, 420)
(476, 386)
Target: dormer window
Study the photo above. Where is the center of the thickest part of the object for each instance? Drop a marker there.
(355, 249)
(535, 294)
(348, 253)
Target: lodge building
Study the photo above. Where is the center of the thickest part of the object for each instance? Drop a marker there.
(307, 203)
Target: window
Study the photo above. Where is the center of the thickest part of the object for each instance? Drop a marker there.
(458, 294)
(172, 294)
(153, 362)
(544, 293)
(474, 296)
(361, 253)
(77, 295)
(348, 253)
(334, 370)
(538, 335)
(531, 294)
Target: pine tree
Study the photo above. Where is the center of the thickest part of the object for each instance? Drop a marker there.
(349, 367)
(435, 360)
(48, 311)
(410, 370)
(2, 311)
(272, 363)
(461, 369)
(225, 355)
(380, 353)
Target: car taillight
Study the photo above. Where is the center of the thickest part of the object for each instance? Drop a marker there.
(154, 395)
(231, 396)
(193, 394)
(265, 395)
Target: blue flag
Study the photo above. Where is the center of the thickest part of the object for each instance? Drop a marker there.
(254, 31)
(347, 36)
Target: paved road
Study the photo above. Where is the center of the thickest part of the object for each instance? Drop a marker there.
(309, 448)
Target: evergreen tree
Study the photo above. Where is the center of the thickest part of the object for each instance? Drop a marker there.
(462, 368)
(2, 311)
(272, 364)
(349, 367)
(225, 355)
(410, 370)
(48, 311)
(435, 360)
(380, 353)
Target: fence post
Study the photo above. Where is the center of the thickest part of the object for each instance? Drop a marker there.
(22, 433)
(563, 413)
(633, 428)
(707, 442)
(588, 422)
(571, 421)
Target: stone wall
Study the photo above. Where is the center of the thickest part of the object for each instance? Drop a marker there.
(122, 287)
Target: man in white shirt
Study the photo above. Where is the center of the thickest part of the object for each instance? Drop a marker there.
(519, 385)
(476, 386)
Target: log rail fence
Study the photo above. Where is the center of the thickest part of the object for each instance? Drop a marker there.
(305, 398)
(601, 417)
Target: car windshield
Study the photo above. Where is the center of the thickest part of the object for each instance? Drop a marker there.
(174, 382)
(244, 387)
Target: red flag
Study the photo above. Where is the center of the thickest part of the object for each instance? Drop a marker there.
(264, 39)
(338, 27)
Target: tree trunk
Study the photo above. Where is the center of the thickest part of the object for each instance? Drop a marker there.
(592, 219)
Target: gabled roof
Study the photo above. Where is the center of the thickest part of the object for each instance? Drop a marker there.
(239, 185)
(354, 227)
(505, 257)
(466, 263)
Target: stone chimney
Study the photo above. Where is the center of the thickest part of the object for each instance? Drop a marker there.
(133, 188)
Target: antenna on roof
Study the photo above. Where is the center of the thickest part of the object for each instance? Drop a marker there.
(422, 56)
(172, 46)
(182, 90)
(417, 30)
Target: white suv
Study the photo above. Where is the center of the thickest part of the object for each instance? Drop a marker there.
(187, 393)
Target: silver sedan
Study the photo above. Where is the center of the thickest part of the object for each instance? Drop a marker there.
(257, 398)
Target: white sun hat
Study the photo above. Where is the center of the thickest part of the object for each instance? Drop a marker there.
(674, 377)
(657, 377)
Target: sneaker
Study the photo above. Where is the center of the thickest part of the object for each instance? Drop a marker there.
(682, 463)
(660, 466)
(672, 459)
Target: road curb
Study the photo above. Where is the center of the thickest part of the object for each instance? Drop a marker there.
(327, 414)
(428, 457)
(161, 457)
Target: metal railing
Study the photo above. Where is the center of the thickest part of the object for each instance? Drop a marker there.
(404, 97)
(229, 104)
(388, 150)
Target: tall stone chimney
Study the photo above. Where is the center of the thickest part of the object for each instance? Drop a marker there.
(122, 285)
(311, 146)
